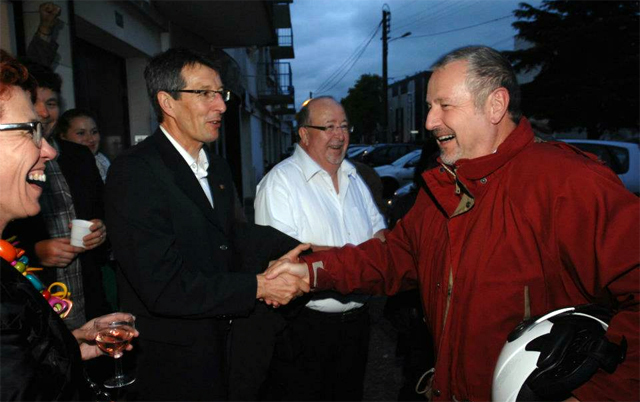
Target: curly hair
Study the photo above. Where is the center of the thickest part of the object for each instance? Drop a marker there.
(13, 73)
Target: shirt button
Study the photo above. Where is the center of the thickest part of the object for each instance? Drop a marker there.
(223, 247)
(483, 180)
(441, 170)
(436, 392)
(468, 204)
(438, 285)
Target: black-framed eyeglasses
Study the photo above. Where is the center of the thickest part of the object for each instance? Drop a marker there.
(209, 94)
(345, 128)
(34, 128)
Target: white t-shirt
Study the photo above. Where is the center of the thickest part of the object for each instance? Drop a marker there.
(297, 197)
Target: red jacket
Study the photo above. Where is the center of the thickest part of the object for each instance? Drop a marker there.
(542, 226)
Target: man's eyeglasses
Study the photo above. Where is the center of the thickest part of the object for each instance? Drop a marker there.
(209, 94)
(345, 128)
(33, 127)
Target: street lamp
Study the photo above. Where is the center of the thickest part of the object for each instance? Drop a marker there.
(404, 35)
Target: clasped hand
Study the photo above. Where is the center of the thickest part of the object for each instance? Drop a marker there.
(280, 284)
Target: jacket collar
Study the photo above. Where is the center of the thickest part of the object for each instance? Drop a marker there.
(475, 169)
(457, 194)
(182, 175)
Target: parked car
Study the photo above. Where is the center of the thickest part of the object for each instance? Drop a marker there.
(355, 150)
(622, 157)
(399, 173)
(384, 154)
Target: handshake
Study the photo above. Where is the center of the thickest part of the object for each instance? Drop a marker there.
(285, 279)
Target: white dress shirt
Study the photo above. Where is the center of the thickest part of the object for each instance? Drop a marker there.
(298, 198)
(199, 167)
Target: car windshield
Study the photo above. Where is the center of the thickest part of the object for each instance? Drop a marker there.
(406, 158)
(617, 158)
(354, 153)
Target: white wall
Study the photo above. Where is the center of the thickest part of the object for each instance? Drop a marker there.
(62, 64)
(138, 31)
(7, 28)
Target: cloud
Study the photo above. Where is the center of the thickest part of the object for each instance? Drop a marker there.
(328, 32)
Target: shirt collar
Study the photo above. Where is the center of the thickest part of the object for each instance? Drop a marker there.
(200, 166)
(311, 167)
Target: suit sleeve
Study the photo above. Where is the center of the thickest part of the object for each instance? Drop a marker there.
(142, 219)
(596, 224)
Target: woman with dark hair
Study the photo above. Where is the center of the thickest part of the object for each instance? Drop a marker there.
(41, 359)
(79, 126)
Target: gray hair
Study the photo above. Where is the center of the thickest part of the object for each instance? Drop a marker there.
(487, 70)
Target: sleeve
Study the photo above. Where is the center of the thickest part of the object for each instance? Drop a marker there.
(274, 206)
(153, 259)
(41, 51)
(598, 240)
(376, 218)
(372, 267)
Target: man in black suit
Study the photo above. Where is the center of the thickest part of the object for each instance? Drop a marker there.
(187, 265)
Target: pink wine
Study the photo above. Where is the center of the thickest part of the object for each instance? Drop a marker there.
(114, 340)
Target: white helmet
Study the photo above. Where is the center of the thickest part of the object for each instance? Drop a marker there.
(548, 357)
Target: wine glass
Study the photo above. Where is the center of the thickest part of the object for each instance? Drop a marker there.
(114, 332)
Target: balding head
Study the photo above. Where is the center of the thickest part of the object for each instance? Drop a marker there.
(327, 147)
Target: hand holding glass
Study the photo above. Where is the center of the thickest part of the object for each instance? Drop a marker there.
(114, 332)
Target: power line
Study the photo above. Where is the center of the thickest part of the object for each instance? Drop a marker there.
(460, 29)
(354, 62)
(353, 59)
(428, 14)
(344, 64)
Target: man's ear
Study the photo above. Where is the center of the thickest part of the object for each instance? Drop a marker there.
(304, 136)
(498, 104)
(167, 103)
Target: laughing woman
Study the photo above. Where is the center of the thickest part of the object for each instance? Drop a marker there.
(41, 359)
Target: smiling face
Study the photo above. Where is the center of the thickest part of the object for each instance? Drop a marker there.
(83, 130)
(327, 148)
(21, 162)
(462, 130)
(193, 118)
(48, 108)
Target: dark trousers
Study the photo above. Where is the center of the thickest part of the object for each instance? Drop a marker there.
(322, 357)
(169, 372)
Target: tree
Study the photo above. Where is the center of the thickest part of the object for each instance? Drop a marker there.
(363, 106)
(587, 54)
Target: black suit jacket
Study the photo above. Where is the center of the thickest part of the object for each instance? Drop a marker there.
(78, 166)
(185, 268)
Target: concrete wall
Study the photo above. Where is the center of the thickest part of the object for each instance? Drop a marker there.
(7, 28)
(62, 35)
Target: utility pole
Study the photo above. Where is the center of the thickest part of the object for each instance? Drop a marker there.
(386, 25)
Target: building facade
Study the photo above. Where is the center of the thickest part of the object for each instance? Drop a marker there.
(408, 109)
(104, 47)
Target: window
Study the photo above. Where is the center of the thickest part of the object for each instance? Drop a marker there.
(617, 158)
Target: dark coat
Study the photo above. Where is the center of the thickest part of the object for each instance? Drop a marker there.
(40, 358)
(185, 268)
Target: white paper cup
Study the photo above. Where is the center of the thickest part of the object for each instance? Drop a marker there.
(79, 229)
